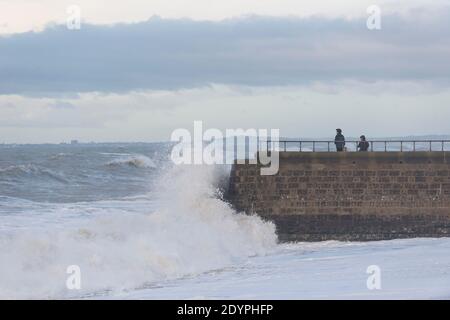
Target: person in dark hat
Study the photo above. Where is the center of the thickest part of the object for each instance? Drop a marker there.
(339, 141)
(363, 145)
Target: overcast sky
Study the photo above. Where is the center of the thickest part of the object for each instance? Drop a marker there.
(129, 75)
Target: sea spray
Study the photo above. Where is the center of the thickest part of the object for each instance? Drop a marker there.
(191, 231)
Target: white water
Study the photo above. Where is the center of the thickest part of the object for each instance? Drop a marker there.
(409, 269)
(138, 161)
(189, 231)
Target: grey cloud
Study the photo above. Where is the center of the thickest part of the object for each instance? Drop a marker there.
(61, 105)
(257, 51)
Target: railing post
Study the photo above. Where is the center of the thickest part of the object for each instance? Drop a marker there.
(401, 146)
(443, 146)
(431, 146)
(284, 146)
(371, 146)
(314, 146)
(300, 146)
(329, 146)
(414, 146)
(385, 146)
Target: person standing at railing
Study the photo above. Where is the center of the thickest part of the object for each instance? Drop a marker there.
(339, 141)
(363, 145)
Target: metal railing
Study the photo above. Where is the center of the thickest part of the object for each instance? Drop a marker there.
(374, 145)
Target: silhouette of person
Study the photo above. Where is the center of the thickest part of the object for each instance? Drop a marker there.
(339, 140)
(363, 145)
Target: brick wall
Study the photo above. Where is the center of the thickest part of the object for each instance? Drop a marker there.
(349, 196)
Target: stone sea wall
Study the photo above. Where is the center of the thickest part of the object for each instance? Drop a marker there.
(349, 196)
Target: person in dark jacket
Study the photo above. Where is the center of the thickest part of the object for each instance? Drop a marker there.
(339, 141)
(363, 145)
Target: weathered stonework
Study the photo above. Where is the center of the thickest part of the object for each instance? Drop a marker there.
(349, 195)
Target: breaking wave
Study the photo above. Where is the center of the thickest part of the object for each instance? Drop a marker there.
(137, 161)
(191, 231)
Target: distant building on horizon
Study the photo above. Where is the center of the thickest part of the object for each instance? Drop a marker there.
(74, 142)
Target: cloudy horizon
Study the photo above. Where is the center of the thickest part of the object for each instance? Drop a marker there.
(138, 79)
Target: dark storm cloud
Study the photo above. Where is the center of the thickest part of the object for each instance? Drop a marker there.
(169, 54)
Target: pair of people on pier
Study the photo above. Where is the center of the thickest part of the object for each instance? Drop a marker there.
(339, 141)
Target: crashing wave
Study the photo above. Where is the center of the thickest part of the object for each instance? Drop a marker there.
(188, 232)
(137, 161)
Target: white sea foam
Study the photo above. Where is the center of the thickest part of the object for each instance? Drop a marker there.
(190, 232)
(410, 269)
(138, 161)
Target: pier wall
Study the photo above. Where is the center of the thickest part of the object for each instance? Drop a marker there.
(349, 196)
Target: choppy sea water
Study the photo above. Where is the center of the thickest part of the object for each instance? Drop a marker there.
(139, 227)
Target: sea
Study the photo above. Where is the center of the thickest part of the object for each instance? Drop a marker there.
(121, 221)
